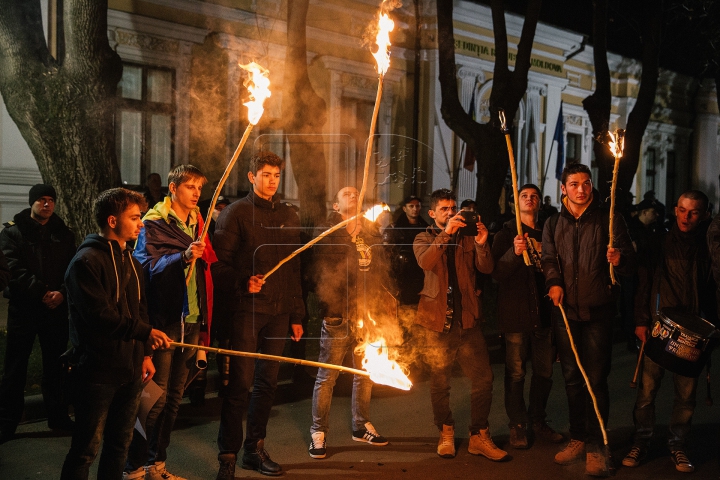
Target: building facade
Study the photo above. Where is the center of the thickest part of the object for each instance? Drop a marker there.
(180, 100)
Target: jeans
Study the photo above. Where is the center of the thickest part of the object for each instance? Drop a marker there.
(538, 346)
(52, 330)
(593, 340)
(336, 338)
(683, 406)
(468, 347)
(103, 412)
(251, 332)
(171, 371)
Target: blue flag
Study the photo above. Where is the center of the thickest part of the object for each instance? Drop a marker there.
(560, 139)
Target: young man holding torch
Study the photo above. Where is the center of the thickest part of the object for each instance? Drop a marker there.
(165, 248)
(346, 271)
(449, 317)
(111, 335)
(252, 235)
(575, 261)
(676, 274)
(524, 313)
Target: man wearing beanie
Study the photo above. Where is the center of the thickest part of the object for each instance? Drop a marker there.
(38, 247)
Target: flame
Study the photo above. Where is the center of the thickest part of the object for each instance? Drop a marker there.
(617, 143)
(375, 212)
(360, 323)
(382, 39)
(258, 84)
(383, 370)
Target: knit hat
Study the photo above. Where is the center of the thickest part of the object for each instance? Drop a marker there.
(41, 190)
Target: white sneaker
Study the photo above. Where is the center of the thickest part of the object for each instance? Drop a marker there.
(158, 472)
(138, 474)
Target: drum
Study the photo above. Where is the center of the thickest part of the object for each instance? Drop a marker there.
(680, 342)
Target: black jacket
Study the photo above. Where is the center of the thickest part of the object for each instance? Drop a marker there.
(678, 275)
(251, 237)
(522, 303)
(344, 288)
(108, 311)
(4, 271)
(37, 256)
(574, 258)
(713, 240)
(408, 275)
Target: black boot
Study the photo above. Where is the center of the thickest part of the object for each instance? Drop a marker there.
(227, 466)
(258, 459)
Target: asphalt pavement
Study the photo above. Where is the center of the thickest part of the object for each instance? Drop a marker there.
(405, 418)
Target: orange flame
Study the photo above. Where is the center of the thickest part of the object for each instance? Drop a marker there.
(617, 143)
(258, 84)
(382, 39)
(383, 370)
(375, 212)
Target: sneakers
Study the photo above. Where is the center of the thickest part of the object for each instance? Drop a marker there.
(518, 436)
(317, 445)
(634, 456)
(543, 431)
(259, 459)
(481, 443)
(572, 452)
(227, 466)
(158, 472)
(138, 474)
(596, 464)
(682, 462)
(369, 435)
(446, 444)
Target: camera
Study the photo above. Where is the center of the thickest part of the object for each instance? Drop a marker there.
(470, 218)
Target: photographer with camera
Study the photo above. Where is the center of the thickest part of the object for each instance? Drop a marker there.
(449, 316)
(524, 315)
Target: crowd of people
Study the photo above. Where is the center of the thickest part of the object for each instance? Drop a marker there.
(136, 297)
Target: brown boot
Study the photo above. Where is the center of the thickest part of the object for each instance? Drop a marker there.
(446, 444)
(482, 444)
(572, 452)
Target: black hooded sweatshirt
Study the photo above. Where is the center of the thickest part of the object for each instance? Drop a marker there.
(109, 324)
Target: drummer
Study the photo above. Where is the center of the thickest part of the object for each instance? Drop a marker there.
(677, 275)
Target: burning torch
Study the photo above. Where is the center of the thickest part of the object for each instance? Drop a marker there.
(617, 146)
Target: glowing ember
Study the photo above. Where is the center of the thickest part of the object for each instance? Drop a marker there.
(382, 39)
(361, 323)
(376, 211)
(383, 370)
(617, 143)
(258, 84)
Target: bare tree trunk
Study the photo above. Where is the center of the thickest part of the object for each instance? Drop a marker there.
(640, 115)
(597, 105)
(63, 107)
(486, 140)
(304, 113)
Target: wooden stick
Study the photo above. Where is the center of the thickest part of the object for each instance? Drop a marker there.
(371, 140)
(633, 383)
(262, 356)
(619, 140)
(513, 172)
(587, 381)
(218, 189)
(312, 242)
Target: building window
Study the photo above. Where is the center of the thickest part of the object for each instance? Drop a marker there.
(573, 150)
(145, 123)
(670, 194)
(650, 160)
